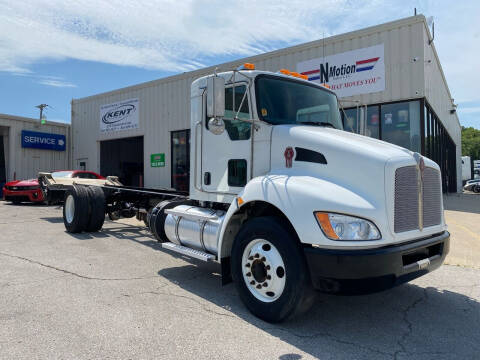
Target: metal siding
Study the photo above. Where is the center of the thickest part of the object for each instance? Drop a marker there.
(25, 163)
(440, 99)
(164, 103)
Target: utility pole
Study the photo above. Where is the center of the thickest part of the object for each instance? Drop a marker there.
(41, 107)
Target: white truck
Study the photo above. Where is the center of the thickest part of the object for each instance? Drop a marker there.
(284, 199)
(466, 169)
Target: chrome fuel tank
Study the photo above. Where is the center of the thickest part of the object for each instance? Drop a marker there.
(194, 227)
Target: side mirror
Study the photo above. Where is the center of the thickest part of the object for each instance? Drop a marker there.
(215, 97)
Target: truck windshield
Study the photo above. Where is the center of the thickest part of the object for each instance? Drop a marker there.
(284, 101)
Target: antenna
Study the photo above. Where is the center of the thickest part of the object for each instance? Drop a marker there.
(42, 117)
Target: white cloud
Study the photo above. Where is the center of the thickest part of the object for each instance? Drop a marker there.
(183, 35)
(56, 83)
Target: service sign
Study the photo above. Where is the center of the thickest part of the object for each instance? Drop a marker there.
(355, 72)
(122, 115)
(40, 140)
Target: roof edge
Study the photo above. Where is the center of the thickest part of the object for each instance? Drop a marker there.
(32, 120)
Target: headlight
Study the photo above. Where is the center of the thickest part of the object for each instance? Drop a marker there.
(344, 227)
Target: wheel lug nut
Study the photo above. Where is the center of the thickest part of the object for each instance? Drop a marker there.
(247, 265)
(257, 255)
(259, 286)
(267, 267)
(249, 274)
(250, 258)
(263, 259)
(265, 284)
(252, 282)
(269, 277)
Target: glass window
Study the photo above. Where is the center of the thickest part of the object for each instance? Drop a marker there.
(284, 101)
(401, 124)
(60, 174)
(237, 129)
(353, 120)
(85, 176)
(373, 121)
(181, 160)
(350, 121)
(237, 172)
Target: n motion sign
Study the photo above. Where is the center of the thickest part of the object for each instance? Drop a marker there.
(40, 140)
(355, 72)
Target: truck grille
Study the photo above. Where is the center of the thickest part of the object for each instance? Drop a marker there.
(432, 192)
(407, 197)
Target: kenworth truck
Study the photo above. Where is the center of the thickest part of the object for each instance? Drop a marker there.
(283, 198)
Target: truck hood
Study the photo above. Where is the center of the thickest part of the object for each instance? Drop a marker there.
(351, 161)
(345, 153)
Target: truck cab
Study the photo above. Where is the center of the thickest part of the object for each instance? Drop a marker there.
(288, 202)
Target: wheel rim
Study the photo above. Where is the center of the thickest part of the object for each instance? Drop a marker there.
(263, 270)
(69, 208)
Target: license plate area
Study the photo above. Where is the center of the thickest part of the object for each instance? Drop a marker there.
(421, 258)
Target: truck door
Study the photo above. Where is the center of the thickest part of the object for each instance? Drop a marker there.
(226, 157)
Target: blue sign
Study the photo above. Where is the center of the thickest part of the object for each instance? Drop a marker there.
(39, 140)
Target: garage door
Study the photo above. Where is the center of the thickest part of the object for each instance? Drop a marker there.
(123, 158)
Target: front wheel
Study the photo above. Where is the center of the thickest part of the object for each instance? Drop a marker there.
(269, 270)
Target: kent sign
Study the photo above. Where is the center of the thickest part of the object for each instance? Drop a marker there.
(40, 140)
(355, 72)
(122, 115)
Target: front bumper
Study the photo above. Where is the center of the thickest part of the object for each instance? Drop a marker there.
(370, 270)
(34, 195)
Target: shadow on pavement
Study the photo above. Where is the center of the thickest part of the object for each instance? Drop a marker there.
(403, 322)
(467, 202)
(53, 220)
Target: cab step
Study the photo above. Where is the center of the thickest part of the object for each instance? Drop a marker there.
(197, 254)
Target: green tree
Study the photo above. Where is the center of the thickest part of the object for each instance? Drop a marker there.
(471, 142)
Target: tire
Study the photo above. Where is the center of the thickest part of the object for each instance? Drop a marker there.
(96, 208)
(158, 217)
(75, 209)
(476, 189)
(269, 238)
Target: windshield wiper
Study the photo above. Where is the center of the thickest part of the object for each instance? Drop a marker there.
(317, 123)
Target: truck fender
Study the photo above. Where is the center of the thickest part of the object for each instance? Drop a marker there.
(293, 198)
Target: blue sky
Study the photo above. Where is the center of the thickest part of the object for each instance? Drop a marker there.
(54, 50)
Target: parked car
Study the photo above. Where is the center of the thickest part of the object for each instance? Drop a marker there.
(18, 191)
(472, 185)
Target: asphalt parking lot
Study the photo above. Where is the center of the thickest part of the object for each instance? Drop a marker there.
(116, 294)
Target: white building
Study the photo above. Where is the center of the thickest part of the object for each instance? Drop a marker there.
(27, 147)
(388, 78)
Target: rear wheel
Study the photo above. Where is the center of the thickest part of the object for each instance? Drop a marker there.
(75, 209)
(476, 189)
(158, 217)
(97, 208)
(269, 270)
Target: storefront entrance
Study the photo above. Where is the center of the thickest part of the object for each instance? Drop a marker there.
(123, 158)
(180, 141)
(3, 170)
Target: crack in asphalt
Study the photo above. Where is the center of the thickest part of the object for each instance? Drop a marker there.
(85, 277)
(408, 332)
